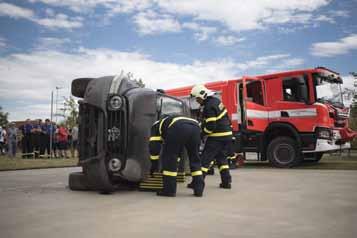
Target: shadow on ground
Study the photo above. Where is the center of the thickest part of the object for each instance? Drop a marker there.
(327, 162)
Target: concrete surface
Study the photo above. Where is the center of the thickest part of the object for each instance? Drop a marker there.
(263, 203)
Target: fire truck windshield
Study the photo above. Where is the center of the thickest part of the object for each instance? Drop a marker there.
(328, 90)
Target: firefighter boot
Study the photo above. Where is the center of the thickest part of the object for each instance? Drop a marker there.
(198, 186)
(225, 185)
(226, 178)
(190, 185)
(169, 187)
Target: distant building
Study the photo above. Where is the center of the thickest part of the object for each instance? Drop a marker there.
(20, 123)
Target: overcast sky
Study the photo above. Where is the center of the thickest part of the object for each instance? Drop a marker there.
(167, 43)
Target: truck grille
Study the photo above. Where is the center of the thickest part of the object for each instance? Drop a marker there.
(98, 134)
(115, 133)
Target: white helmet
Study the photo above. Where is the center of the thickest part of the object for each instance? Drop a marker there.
(200, 91)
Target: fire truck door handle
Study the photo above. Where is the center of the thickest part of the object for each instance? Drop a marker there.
(284, 114)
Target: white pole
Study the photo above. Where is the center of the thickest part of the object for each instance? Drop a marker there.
(51, 135)
(56, 111)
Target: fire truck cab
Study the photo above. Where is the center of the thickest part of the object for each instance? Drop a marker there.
(284, 117)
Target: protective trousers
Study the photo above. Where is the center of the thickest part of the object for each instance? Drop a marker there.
(179, 136)
(231, 157)
(217, 150)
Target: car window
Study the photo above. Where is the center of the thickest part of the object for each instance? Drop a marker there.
(295, 89)
(255, 92)
(170, 105)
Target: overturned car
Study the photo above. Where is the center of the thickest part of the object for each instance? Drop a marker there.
(115, 117)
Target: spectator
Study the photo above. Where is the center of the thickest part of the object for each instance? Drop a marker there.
(43, 139)
(2, 140)
(74, 141)
(63, 141)
(36, 137)
(70, 141)
(55, 141)
(27, 149)
(12, 140)
(48, 131)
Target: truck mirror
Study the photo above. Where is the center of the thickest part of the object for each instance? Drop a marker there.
(159, 106)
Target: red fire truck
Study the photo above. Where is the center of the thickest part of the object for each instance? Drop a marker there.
(284, 117)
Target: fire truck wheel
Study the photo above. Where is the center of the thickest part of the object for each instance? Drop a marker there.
(78, 181)
(98, 177)
(283, 152)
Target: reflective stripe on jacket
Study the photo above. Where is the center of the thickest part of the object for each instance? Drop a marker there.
(216, 123)
(159, 131)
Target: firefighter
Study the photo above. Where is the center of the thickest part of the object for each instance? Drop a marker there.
(173, 134)
(216, 127)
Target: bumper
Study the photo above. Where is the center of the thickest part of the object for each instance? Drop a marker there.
(328, 145)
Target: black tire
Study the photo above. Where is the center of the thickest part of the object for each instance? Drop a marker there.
(79, 86)
(284, 152)
(77, 181)
(98, 177)
(313, 157)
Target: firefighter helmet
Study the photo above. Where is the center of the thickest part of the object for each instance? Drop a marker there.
(200, 91)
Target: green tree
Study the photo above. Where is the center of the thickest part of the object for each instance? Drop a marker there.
(3, 117)
(71, 119)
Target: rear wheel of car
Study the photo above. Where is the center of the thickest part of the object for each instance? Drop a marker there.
(98, 177)
(77, 181)
(283, 152)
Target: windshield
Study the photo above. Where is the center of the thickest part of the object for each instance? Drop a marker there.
(328, 90)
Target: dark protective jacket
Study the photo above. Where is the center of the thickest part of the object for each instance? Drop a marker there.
(215, 121)
(159, 132)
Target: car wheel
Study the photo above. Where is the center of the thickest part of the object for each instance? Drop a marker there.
(98, 176)
(77, 181)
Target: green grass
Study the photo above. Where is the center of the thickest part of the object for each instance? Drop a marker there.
(7, 163)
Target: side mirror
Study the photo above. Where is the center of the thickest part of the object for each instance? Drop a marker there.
(158, 107)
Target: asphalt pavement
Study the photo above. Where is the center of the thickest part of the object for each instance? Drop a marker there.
(262, 203)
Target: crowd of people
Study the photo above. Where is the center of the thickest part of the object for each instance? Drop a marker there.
(38, 139)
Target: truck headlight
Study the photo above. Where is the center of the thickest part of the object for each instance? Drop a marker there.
(115, 103)
(324, 133)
